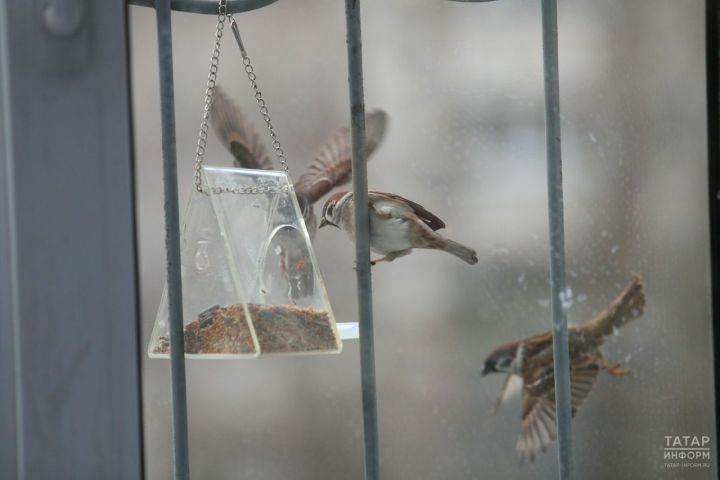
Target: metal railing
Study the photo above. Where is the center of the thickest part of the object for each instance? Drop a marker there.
(163, 10)
(364, 288)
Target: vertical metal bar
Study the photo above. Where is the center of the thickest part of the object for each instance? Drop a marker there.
(172, 241)
(362, 239)
(11, 401)
(712, 59)
(557, 238)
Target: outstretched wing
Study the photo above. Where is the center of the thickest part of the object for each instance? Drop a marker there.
(237, 133)
(332, 166)
(429, 218)
(538, 418)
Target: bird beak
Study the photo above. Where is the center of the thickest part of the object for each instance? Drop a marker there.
(484, 371)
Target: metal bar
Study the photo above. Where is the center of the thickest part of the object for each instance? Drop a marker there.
(11, 401)
(561, 353)
(172, 241)
(362, 239)
(712, 32)
(209, 7)
(68, 291)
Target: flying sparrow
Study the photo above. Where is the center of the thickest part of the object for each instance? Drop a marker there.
(331, 168)
(529, 365)
(397, 225)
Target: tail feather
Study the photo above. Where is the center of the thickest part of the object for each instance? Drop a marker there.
(629, 305)
(461, 251)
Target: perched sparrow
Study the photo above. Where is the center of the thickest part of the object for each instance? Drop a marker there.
(529, 365)
(331, 168)
(397, 225)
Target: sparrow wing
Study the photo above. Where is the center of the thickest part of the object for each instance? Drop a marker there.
(429, 218)
(538, 418)
(332, 166)
(237, 133)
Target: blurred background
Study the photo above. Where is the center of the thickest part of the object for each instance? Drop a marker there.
(463, 86)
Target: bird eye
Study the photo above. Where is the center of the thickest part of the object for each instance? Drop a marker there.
(504, 362)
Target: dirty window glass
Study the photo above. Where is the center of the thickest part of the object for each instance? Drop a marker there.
(462, 85)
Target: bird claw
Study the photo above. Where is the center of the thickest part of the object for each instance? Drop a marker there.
(372, 264)
(617, 371)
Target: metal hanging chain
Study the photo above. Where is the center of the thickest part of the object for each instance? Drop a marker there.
(209, 91)
(279, 153)
(207, 105)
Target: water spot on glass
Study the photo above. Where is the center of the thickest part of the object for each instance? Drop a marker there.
(566, 298)
(202, 258)
(544, 302)
(604, 233)
(593, 139)
(614, 249)
(581, 298)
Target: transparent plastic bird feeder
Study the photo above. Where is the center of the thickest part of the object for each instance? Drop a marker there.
(251, 282)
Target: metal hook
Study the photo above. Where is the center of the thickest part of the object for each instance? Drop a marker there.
(236, 32)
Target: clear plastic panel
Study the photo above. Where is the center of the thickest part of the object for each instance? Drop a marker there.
(251, 283)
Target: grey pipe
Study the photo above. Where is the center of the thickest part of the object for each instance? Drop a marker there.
(172, 241)
(362, 239)
(561, 353)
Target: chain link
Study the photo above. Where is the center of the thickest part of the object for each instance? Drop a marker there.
(209, 91)
(262, 106)
(207, 105)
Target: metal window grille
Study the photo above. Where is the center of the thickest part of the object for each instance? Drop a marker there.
(360, 188)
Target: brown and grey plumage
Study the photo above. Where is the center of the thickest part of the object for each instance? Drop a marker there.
(397, 226)
(331, 168)
(237, 133)
(529, 365)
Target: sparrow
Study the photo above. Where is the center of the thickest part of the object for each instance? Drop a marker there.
(529, 365)
(397, 225)
(331, 168)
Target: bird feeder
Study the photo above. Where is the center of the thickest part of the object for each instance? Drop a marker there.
(251, 283)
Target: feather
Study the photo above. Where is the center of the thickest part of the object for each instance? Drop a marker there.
(429, 218)
(629, 305)
(538, 418)
(237, 134)
(332, 166)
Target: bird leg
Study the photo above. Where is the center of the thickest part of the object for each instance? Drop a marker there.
(616, 370)
(391, 256)
(381, 259)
